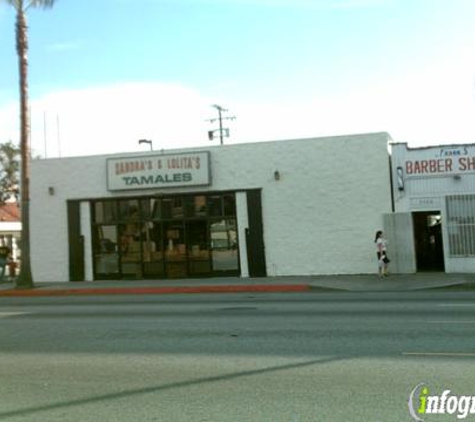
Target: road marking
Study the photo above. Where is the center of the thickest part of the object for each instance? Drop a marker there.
(10, 314)
(437, 354)
(450, 322)
(456, 304)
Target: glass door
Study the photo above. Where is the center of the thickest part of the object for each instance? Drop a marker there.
(224, 245)
(129, 250)
(130, 233)
(198, 247)
(152, 250)
(106, 252)
(175, 249)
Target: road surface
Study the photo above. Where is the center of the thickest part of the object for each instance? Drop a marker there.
(235, 357)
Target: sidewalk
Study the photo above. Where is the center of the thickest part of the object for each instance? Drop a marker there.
(352, 283)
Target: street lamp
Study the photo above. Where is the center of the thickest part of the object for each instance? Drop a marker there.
(146, 141)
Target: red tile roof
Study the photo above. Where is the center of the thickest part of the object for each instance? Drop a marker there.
(9, 212)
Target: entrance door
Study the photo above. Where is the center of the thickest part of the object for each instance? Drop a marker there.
(106, 252)
(152, 250)
(129, 248)
(76, 243)
(197, 236)
(255, 235)
(398, 227)
(175, 250)
(224, 248)
(428, 240)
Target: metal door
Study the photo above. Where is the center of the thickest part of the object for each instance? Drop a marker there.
(400, 234)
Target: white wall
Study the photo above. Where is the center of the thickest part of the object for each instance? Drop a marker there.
(319, 218)
(242, 225)
(85, 211)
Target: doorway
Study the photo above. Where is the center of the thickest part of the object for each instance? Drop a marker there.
(428, 241)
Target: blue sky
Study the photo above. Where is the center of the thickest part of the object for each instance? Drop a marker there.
(104, 74)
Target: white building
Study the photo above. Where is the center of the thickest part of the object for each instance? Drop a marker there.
(297, 207)
(434, 195)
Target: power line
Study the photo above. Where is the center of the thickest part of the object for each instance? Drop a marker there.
(223, 132)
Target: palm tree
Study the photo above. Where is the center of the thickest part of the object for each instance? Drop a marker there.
(25, 279)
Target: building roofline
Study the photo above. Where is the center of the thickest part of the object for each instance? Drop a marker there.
(433, 146)
(212, 147)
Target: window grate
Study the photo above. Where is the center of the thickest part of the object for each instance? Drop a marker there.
(461, 225)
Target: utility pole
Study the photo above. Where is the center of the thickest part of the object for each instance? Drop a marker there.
(222, 131)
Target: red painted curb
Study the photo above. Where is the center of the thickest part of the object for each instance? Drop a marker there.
(157, 290)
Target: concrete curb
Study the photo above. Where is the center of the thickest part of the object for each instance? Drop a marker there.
(273, 288)
(324, 284)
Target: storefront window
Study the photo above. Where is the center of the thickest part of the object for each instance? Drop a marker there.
(200, 205)
(198, 248)
(188, 206)
(146, 206)
(166, 208)
(129, 248)
(105, 248)
(229, 203)
(175, 250)
(194, 206)
(152, 250)
(169, 237)
(156, 208)
(105, 212)
(177, 207)
(215, 205)
(224, 245)
(129, 210)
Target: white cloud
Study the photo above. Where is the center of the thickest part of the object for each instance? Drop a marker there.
(113, 118)
(435, 106)
(432, 107)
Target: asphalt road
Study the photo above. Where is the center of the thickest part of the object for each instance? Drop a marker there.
(236, 357)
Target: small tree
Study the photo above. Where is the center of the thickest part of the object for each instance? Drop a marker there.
(9, 172)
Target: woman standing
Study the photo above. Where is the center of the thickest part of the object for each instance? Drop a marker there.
(383, 260)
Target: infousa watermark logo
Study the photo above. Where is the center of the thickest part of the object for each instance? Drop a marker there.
(422, 402)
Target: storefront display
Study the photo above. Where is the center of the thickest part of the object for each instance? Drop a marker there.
(172, 237)
(278, 208)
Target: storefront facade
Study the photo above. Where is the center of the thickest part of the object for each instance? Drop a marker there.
(434, 196)
(298, 207)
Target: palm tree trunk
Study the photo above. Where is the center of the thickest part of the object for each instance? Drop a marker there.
(25, 279)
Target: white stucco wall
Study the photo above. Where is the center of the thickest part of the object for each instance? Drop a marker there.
(243, 224)
(319, 218)
(85, 212)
